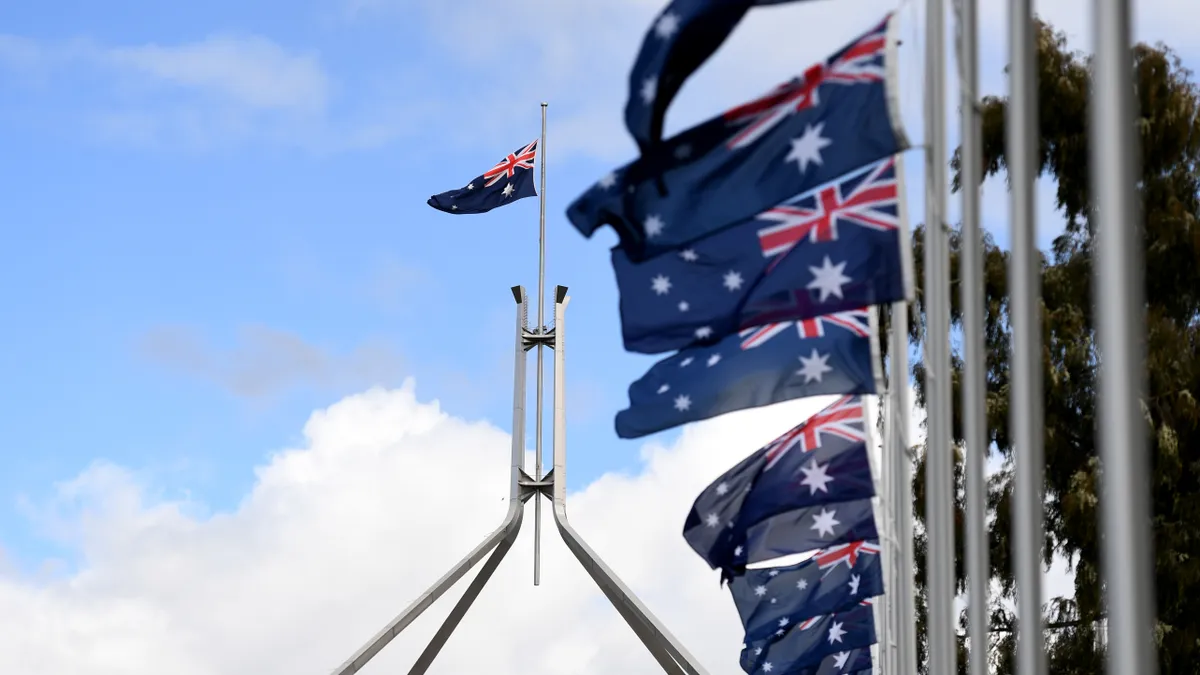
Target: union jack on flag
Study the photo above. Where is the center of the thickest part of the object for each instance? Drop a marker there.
(760, 335)
(856, 321)
(861, 62)
(869, 198)
(845, 419)
(507, 167)
(844, 554)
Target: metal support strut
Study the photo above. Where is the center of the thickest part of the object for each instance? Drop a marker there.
(664, 647)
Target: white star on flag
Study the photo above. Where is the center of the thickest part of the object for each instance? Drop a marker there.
(732, 280)
(661, 284)
(508, 190)
(663, 388)
(802, 584)
(836, 632)
(666, 25)
(703, 332)
(807, 149)
(824, 521)
(839, 659)
(814, 367)
(760, 591)
(684, 306)
(654, 225)
(606, 181)
(687, 361)
(815, 477)
(683, 402)
(712, 520)
(854, 581)
(713, 360)
(689, 255)
(828, 279)
(649, 89)
(722, 488)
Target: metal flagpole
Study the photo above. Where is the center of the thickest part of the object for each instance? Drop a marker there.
(902, 483)
(1025, 404)
(939, 476)
(670, 654)
(974, 358)
(541, 328)
(1120, 322)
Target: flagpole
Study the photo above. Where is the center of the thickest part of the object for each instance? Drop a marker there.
(974, 358)
(939, 457)
(541, 322)
(1120, 321)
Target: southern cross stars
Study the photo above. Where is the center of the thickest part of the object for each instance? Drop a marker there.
(649, 90)
(666, 25)
(654, 225)
(807, 149)
(661, 284)
(683, 402)
(732, 280)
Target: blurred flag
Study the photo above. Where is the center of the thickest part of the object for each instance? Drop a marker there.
(838, 247)
(838, 117)
(793, 646)
(821, 460)
(754, 367)
(849, 662)
(833, 579)
(679, 41)
(511, 179)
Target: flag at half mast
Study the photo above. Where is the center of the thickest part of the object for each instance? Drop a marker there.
(506, 182)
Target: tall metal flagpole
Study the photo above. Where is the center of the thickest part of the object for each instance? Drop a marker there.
(541, 327)
(1025, 403)
(902, 483)
(670, 654)
(1120, 321)
(939, 476)
(974, 358)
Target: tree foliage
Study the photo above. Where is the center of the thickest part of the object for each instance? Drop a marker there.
(1168, 124)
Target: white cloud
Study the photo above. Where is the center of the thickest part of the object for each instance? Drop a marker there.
(248, 70)
(340, 534)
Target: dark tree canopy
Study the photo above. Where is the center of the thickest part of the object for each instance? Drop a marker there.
(1168, 125)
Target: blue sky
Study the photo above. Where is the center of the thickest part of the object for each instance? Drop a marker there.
(215, 220)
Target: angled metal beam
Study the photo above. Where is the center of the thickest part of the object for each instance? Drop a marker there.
(664, 647)
(464, 603)
(503, 536)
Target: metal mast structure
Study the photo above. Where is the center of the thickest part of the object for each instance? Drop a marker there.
(664, 647)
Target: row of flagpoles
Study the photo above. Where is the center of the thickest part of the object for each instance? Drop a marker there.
(758, 245)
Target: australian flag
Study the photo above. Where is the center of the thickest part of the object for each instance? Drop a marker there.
(821, 461)
(808, 643)
(754, 367)
(511, 179)
(838, 247)
(849, 662)
(680, 40)
(836, 118)
(834, 578)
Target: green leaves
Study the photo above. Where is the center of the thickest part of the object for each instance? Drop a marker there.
(1168, 123)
